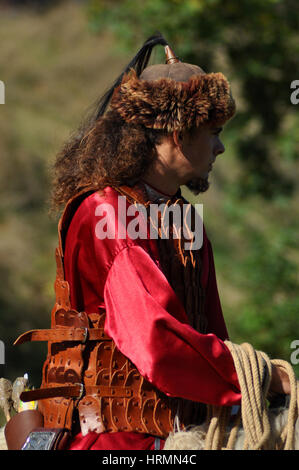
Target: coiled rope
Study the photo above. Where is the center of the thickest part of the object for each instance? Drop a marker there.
(254, 370)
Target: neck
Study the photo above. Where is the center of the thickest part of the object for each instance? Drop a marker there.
(161, 185)
(154, 188)
(162, 177)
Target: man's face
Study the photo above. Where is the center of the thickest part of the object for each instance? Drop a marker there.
(199, 150)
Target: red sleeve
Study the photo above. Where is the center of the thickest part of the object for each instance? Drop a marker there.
(150, 327)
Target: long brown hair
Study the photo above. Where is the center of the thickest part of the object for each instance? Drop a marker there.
(106, 150)
(111, 152)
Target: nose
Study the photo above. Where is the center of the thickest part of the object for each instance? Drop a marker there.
(219, 148)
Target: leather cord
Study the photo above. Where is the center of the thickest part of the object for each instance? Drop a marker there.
(64, 334)
(76, 391)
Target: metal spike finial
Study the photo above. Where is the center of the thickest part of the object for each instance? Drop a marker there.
(171, 58)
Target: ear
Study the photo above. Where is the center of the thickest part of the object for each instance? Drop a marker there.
(177, 138)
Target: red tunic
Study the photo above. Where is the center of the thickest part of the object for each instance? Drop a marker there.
(146, 319)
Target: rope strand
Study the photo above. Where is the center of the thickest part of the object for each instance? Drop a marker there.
(254, 371)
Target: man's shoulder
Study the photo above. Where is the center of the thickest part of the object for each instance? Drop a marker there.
(85, 204)
(106, 196)
(106, 214)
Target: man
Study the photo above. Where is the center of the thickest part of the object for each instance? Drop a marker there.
(153, 346)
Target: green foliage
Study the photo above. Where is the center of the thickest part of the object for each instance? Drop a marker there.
(270, 277)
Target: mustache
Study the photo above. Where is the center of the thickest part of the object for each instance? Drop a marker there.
(198, 185)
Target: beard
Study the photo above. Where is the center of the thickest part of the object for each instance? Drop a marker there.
(198, 185)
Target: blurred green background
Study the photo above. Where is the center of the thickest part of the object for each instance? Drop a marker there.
(58, 57)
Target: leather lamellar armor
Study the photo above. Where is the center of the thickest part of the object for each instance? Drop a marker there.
(85, 377)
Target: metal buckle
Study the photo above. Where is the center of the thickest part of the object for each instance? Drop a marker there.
(40, 440)
(85, 335)
(81, 392)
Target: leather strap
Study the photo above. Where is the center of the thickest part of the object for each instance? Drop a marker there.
(66, 391)
(109, 391)
(64, 334)
(66, 218)
(76, 391)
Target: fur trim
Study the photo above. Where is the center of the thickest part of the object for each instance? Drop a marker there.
(172, 105)
(3, 444)
(193, 438)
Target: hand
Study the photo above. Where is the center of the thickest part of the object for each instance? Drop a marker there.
(280, 382)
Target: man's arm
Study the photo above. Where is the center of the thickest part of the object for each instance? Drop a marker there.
(150, 327)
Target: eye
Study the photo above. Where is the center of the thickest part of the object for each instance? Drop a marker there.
(217, 131)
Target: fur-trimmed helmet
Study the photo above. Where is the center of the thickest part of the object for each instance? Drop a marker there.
(171, 96)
